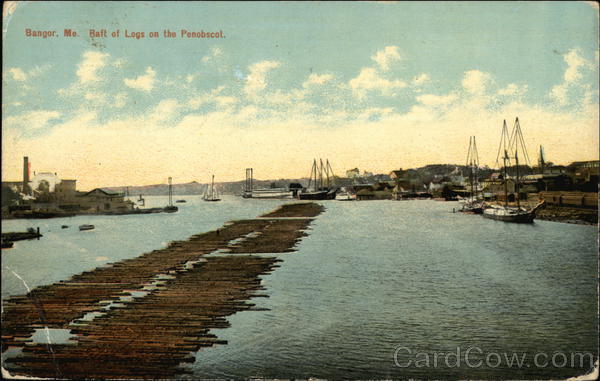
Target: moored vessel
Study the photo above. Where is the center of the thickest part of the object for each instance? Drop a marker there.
(211, 194)
(319, 184)
(506, 213)
(473, 204)
(170, 208)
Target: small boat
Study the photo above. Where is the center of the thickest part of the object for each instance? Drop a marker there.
(170, 208)
(64, 227)
(86, 227)
(211, 195)
(180, 201)
(344, 195)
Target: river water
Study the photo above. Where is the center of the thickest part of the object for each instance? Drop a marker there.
(377, 289)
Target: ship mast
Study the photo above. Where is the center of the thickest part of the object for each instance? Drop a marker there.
(505, 180)
(170, 192)
(517, 182)
(519, 142)
(473, 164)
(326, 170)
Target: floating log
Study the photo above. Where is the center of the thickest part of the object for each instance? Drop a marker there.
(151, 336)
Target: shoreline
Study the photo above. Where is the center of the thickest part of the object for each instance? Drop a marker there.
(568, 215)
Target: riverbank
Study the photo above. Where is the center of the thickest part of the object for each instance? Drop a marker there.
(144, 316)
(60, 214)
(581, 216)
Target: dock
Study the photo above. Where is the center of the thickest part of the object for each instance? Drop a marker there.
(187, 293)
(21, 236)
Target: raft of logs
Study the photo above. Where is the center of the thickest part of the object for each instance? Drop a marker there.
(153, 335)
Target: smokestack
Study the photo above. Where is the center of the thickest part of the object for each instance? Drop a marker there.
(26, 175)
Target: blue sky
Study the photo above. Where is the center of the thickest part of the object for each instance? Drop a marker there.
(373, 85)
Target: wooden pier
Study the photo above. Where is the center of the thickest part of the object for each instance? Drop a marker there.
(151, 336)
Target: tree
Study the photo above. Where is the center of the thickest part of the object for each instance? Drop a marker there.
(44, 187)
(9, 197)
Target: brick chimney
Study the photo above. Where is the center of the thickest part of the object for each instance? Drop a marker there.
(26, 188)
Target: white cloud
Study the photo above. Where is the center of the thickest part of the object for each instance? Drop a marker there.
(96, 97)
(571, 78)
(33, 120)
(559, 94)
(20, 75)
(212, 97)
(475, 81)
(256, 79)
(386, 56)
(214, 53)
(87, 70)
(119, 63)
(574, 62)
(225, 101)
(17, 74)
(436, 100)
(143, 82)
(420, 79)
(317, 79)
(513, 89)
(370, 80)
(120, 100)
(165, 110)
(375, 112)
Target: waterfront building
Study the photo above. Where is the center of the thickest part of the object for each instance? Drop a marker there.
(104, 200)
(353, 173)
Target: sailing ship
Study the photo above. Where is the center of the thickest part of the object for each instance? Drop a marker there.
(473, 204)
(505, 212)
(321, 187)
(170, 208)
(211, 195)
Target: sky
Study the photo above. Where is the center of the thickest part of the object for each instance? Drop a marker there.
(373, 85)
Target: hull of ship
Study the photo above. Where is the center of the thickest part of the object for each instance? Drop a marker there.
(318, 195)
(321, 195)
(269, 195)
(472, 210)
(522, 217)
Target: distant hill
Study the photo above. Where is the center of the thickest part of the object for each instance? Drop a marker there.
(194, 187)
(422, 175)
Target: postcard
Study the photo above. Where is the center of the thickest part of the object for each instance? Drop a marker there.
(300, 190)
